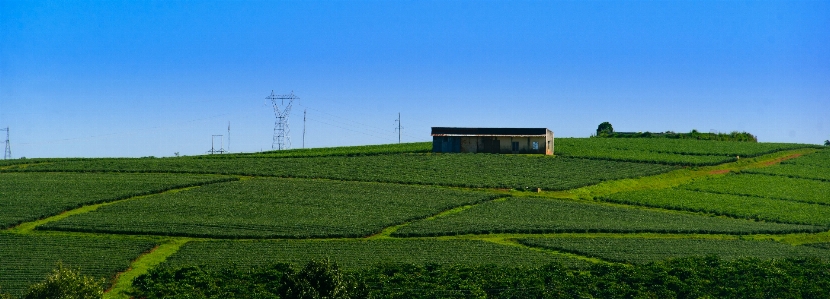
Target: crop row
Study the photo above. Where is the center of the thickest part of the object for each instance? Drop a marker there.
(28, 196)
(646, 250)
(535, 216)
(749, 207)
(819, 159)
(27, 259)
(362, 150)
(819, 245)
(356, 254)
(272, 208)
(576, 146)
(795, 171)
(631, 155)
(777, 187)
(459, 170)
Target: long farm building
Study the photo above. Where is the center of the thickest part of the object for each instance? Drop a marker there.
(492, 140)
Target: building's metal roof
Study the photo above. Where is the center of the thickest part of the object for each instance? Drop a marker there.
(454, 131)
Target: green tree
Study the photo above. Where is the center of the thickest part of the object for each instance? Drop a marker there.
(605, 128)
(67, 283)
(827, 143)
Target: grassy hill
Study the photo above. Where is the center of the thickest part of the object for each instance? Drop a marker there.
(597, 202)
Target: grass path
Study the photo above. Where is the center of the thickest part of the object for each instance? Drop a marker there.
(143, 264)
(386, 233)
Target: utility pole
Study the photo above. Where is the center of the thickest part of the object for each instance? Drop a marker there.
(213, 149)
(8, 153)
(229, 136)
(304, 111)
(399, 127)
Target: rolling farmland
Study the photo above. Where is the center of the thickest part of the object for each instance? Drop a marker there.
(30, 196)
(491, 170)
(273, 208)
(399, 204)
(785, 188)
(646, 250)
(738, 206)
(27, 259)
(359, 254)
(539, 216)
(667, 151)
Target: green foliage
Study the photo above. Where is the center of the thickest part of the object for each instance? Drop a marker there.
(802, 171)
(320, 280)
(535, 216)
(605, 128)
(819, 159)
(739, 206)
(67, 283)
(362, 150)
(357, 254)
(819, 245)
(811, 191)
(666, 151)
(640, 156)
(30, 196)
(273, 208)
(646, 250)
(197, 282)
(694, 134)
(827, 143)
(707, 277)
(457, 170)
(26, 259)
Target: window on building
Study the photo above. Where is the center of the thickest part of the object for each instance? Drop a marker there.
(515, 146)
(535, 145)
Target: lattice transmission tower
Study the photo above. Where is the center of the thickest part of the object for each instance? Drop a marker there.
(8, 153)
(282, 139)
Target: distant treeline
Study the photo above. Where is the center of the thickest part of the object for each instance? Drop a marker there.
(701, 277)
(694, 134)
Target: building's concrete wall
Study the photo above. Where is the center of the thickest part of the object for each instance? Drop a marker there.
(469, 145)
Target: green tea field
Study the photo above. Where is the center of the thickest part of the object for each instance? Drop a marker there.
(596, 203)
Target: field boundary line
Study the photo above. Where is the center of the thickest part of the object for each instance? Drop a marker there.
(717, 213)
(29, 227)
(142, 265)
(387, 232)
(514, 243)
(759, 196)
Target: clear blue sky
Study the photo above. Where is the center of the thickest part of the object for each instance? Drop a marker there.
(141, 78)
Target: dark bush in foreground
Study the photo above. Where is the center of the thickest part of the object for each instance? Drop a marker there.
(678, 278)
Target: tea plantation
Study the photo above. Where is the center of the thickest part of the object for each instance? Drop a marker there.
(399, 220)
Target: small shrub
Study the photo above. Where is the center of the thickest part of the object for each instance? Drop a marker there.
(66, 283)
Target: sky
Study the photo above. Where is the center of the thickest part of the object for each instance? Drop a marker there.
(157, 78)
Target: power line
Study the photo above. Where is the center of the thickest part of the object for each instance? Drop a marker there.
(377, 130)
(351, 123)
(351, 130)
